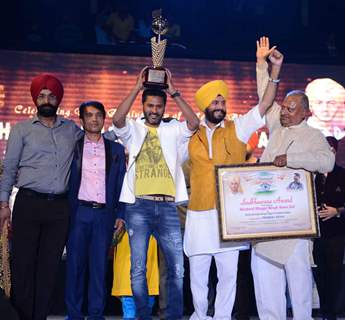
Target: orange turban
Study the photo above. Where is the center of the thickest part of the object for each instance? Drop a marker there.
(210, 91)
(46, 81)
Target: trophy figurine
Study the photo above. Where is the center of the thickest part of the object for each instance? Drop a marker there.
(155, 77)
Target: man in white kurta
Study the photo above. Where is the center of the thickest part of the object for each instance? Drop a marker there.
(292, 143)
(217, 141)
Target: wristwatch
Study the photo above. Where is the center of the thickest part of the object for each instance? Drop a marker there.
(175, 94)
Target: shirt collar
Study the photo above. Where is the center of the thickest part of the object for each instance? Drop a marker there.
(300, 125)
(88, 141)
(141, 120)
(58, 122)
(221, 124)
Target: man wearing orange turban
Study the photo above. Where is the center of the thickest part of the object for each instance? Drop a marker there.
(217, 141)
(37, 161)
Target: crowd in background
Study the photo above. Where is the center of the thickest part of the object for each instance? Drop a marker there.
(307, 28)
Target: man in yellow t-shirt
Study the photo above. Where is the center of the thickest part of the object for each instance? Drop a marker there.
(153, 185)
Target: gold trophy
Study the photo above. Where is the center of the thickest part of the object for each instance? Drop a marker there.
(155, 77)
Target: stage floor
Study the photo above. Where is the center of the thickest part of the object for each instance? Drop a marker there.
(156, 318)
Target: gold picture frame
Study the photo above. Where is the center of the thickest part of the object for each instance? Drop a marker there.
(262, 202)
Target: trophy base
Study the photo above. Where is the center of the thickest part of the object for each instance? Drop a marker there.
(155, 78)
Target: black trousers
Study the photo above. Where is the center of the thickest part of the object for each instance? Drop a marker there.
(6, 310)
(328, 256)
(39, 234)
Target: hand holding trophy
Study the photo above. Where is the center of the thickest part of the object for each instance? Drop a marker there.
(156, 77)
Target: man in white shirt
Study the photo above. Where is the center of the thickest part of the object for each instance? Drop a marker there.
(153, 185)
(292, 143)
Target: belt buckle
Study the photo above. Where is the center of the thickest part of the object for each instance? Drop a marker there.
(51, 196)
(158, 198)
(95, 205)
(168, 198)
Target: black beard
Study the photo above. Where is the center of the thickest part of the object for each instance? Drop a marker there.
(209, 115)
(147, 114)
(47, 110)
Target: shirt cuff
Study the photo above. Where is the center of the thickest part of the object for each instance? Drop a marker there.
(257, 117)
(120, 131)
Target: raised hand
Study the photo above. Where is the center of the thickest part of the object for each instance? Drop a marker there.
(187, 111)
(171, 88)
(140, 80)
(119, 117)
(263, 49)
(276, 58)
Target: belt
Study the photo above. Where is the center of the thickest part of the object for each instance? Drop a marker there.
(92, 204)
(39, 195)
(161, 198)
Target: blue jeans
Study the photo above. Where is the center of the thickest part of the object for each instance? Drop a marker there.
(160, 219)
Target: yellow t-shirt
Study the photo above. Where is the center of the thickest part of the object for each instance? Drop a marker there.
(151, 171)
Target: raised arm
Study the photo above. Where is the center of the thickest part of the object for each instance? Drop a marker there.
(188, 113)
(267, 100)
(253, 120)
(119, 118)
(262, 53)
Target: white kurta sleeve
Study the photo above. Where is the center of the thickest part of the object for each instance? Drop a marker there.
(246, 125)
(183, 141)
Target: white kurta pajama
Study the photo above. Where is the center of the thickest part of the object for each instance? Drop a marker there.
(202, 241)
(277, 262)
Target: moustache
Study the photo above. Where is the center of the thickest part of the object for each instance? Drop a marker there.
(46, 105)
(47, 110)
(219, 110)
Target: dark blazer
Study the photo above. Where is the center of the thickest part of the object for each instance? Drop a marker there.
(115, 169)
(330, 190)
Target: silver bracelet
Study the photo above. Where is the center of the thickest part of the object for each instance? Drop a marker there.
(274, 80)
